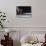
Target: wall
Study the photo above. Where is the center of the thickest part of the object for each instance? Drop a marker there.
(39, 13)
(38, 10)
(9, 7)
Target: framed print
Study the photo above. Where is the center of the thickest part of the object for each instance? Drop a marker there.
(24, 11)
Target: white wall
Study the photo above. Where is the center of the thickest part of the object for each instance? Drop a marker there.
(9, 7)
(38, 17)
(38, 11)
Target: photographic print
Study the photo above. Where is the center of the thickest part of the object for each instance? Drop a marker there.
(23, 10)
(23, 13)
